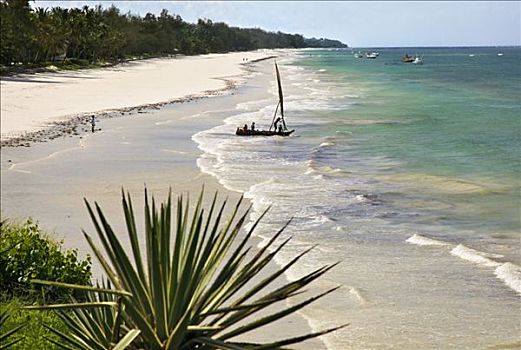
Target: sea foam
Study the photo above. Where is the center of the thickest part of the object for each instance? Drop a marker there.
(475, 256)
(422, 240)
(357, 295)
(510, 274)
(507, 272)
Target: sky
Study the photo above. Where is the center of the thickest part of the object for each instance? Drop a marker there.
(356, 23)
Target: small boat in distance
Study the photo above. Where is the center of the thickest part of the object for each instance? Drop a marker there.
(407, 59)
(358, 55)
(417, 60)
(371, 55)
(282, 130)
(500, 54)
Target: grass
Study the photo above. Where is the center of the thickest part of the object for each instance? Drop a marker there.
(33, 332)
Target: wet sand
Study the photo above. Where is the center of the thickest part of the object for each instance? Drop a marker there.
(48, 180)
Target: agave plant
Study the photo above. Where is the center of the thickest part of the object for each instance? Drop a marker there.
(195, 287)
(94, 327)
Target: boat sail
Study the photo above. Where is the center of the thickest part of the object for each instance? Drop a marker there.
(281, 97)
(282, 130)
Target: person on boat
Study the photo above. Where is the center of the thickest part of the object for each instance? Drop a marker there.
(245, 127)
(280, 129)
(253, 126)
(276, 122)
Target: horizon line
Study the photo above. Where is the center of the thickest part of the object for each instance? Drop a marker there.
(435, 46)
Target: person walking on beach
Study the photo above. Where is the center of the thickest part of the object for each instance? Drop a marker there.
(93, 122)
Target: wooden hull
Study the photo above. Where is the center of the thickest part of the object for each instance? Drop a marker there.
(241, 132)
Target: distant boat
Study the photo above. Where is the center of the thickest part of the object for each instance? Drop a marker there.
(500, 54)
(371, 55)
(471, 55)
(358, 55)
(407, 59)
(282, 131)
(417, 60)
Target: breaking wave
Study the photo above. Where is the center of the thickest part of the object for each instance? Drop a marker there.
(421, 240)
(507, 272)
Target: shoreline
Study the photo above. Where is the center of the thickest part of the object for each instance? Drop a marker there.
(157, 150)
(70, 125)
(25, 123)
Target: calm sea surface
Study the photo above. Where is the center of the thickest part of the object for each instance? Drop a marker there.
(409, 175)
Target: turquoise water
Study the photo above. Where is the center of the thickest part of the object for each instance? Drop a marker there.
(407, 174)
(455, 116)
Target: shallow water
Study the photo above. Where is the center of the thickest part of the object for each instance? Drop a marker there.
(407, 174)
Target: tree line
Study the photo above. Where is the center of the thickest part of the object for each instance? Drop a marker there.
(90, 34)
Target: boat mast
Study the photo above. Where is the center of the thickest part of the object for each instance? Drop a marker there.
(280, 104)
(281, 99)
(274, 115)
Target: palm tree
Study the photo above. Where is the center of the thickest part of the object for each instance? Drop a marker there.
(195, 286)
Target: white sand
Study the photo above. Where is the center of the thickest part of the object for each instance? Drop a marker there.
(29, 102)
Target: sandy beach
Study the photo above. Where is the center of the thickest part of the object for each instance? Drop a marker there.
(409, 280)
(30, 102)
(48, 180)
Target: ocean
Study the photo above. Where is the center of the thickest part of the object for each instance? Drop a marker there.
(406, 174)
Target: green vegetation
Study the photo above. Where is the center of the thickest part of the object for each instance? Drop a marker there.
(7, 338)
(196, 285)
(26, 253)
(36, 37)
(31, 332)
(94, 329)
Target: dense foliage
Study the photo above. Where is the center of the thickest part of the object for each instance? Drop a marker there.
(33, 36)
(26, 253)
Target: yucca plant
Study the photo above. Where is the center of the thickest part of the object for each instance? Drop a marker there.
(195, 287)
(97, 325)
